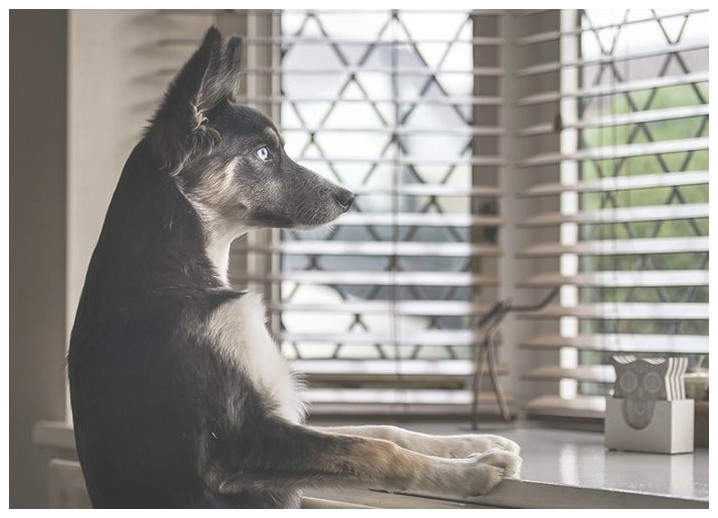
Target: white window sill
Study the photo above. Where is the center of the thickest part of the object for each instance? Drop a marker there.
(561, 469)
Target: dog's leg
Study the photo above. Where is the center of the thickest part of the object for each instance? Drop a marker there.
(436, 445)
(292, 456)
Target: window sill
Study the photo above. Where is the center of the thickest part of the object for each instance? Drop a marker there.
(562, 469)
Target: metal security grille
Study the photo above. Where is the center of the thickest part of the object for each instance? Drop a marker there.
(631, 177)
(379, 313)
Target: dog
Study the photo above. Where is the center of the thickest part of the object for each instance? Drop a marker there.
(180, 397)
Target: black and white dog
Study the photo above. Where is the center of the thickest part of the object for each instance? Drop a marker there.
(180, 397)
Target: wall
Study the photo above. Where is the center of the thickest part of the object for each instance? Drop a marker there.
(38, 136)
(516, 209)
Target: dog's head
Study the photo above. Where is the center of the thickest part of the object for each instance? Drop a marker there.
(228, 159)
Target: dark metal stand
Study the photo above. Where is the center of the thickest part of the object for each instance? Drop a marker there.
(486, 352)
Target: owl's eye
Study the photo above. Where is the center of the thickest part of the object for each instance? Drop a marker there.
(652, 383)
(628, 382)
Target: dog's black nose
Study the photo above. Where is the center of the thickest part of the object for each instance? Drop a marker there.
(344, 198)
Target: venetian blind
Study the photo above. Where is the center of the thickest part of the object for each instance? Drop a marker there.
(626, 236)
(403, 108)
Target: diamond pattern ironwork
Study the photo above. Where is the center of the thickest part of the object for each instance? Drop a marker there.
(357, 111)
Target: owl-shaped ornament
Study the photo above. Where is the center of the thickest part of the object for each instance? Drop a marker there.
(639, 382)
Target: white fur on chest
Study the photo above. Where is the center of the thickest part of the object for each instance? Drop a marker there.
(238, 331)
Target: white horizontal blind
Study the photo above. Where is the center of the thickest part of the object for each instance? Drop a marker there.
(631, 183)
(379, 313)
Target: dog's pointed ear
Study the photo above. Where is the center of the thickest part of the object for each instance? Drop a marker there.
(180, 127)
(221, 78)
(233, 65)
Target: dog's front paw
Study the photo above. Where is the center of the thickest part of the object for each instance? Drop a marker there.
(473, 475)
(501, 443)
(465, 445)
(487, 469)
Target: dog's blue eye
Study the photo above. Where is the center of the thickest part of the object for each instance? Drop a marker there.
(263, 154)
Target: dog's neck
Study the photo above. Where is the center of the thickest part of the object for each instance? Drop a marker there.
(218, 253)
(218, 237)
(218, 245)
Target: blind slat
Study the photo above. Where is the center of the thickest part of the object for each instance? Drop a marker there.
(618, 151)
(320, 72)
(587, 373)
(625, 311)
(621, 215)
(555, 66)
(666, 114)
(588, 407)
(615, 88)
(429, 337)
(407, 161)
(401, 100)
(414, 219)
(414, 278)
(620, 183)
(401, 307)
(475, 130)
(614, 279)
(431, 190)
(638, 246)
(384, 367)
(305, 40)
(638, 343)
(378, 248)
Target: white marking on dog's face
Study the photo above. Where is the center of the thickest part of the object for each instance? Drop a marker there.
(219, 231)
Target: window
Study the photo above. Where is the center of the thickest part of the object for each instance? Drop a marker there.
(496, 154)
(629, 179)
(379, 313)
